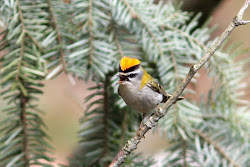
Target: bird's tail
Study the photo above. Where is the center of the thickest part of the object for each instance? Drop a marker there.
(180, 98)
(165, 98)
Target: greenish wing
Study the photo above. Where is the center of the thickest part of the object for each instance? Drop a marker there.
(155, 86)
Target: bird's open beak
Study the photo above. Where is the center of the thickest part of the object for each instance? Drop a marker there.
(122, 78)
(120, 81)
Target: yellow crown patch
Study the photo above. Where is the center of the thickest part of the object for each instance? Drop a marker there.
(127, 62)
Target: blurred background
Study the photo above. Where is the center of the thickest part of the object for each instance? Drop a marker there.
(63, 98)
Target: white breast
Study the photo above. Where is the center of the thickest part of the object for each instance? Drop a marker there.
(144, 100)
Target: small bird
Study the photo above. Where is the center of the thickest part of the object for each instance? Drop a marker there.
(138, 89)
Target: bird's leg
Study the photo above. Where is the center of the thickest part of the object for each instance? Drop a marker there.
(141, 124)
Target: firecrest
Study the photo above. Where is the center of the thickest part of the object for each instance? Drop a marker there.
(138, 89)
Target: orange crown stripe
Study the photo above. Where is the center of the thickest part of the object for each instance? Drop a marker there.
(127, 62)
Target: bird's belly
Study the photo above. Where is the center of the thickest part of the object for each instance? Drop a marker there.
(144, 100)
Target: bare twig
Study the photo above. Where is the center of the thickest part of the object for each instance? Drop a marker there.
(131, 144)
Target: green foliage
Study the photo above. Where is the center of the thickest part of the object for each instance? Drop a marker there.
(22, 69)
(87, 39)
(92, 55)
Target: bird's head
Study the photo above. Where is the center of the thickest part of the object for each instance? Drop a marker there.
(130, 70)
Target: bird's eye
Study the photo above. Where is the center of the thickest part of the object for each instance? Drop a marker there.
(131, 75)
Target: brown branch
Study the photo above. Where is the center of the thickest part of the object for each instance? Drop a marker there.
(105, 121)
(159, 113)
(212, 116)
(23, 98)
(184, 147)
(23, 102)
(219, 150)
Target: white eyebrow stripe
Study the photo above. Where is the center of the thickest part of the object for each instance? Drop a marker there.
(132, 72)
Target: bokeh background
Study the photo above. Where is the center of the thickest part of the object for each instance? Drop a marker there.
(63, 98)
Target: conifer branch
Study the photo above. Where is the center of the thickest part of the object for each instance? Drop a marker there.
(22, 41)
(24, 141)
(184, 147)
(220, 151)
(116, 40)
(105, 120)
(185, 34)
(23, 103)
(20, 59)
(213, 116)
(23, 98)
(204, 47)
(23, 95)
(24, 31)
(175, 68)
(91, 33)
(159, 113)
(41, 49)
(136, 16)
(58, 35)
(118, 44)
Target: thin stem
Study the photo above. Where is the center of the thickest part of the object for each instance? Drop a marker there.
(22, 41)
(90, 29)
(105, 120)
(58, 35)
(41, 49)
(175, 68)
(212, 116)
(184, 147)
(159, 113)
(118, 44)
(23, 102)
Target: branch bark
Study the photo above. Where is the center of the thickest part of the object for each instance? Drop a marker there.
(131, 144)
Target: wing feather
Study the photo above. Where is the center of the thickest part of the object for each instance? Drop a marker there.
(155, 86)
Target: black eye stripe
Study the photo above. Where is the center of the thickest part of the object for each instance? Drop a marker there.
(131, 75)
